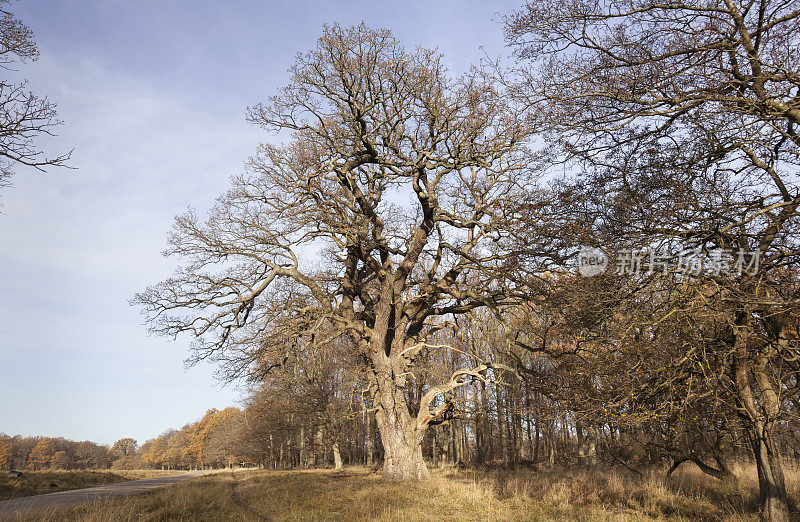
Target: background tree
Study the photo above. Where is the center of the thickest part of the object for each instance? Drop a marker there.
(41, 456)
(153, 451)
(123, 454)
(126, 447)
(88, 455)
(24, 116)
(6, 452)
(224, 432)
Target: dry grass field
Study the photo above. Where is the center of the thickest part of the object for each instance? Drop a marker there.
(360, 494)
(40, 482)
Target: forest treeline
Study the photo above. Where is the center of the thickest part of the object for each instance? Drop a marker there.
(315, 412)
(215, 441)
(57, 453)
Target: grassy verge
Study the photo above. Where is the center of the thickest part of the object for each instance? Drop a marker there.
(39, 482)
(358, 494)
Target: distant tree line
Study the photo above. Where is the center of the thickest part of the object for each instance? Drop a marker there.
(559, 407)
(215, 441)
(58, 453)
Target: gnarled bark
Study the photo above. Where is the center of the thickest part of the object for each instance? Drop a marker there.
(771, 481)
(401, 438)
(759, 417)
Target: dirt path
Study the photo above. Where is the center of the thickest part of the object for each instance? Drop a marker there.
(252, 511)
(16, 507)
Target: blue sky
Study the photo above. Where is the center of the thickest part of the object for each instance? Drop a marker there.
(153, 95)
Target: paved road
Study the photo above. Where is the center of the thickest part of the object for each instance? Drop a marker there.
(77, 497)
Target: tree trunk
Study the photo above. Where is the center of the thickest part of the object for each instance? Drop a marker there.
(352, 445)
(465, 454)
(271, 452)
(402, 449)
(435, 447)
(590, 439)
(581, 443)
(457, 440)
(451, 443)
(370, 443)
(337, 457)
(318, 455)
(481, 425)
(771, 482)
(503, 426)
(529, 422)
(720, 450)
(400, 436)
(303, 458)
(516, 419)
(759, 417)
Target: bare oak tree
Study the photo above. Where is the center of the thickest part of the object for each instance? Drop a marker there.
(381, 216)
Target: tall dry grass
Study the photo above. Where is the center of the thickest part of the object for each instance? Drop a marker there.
(360, 494)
